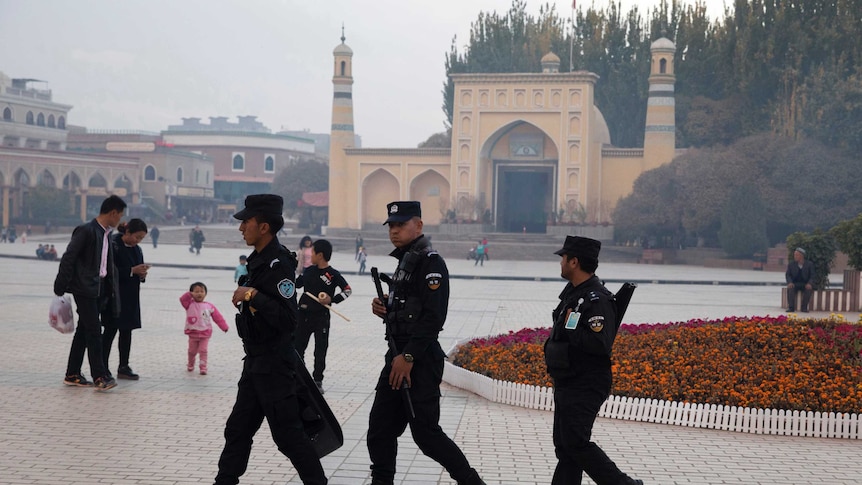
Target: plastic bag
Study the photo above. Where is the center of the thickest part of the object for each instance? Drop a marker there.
(60, 314)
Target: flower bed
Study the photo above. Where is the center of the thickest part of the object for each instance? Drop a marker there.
(758, 362)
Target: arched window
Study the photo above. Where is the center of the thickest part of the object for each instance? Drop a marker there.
(51, 123)
(343, 67)
(197, 176)
(238, 162)
(61, 122)
(269, 164)
(149, 173)
(40, 120)
(7, 114)
(179, 174)
(662, 66)
(29, 117)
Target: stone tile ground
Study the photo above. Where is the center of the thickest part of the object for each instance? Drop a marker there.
(166, 428)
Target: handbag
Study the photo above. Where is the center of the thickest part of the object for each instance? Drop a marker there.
(60, 315)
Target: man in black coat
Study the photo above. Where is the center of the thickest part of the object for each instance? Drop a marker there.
(268, 385)
(87, 271)
(578, 356)
(799, 277)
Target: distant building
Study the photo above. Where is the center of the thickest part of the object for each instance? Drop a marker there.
(321, 142)
(524, 147)
(246, 155)
(30, 117)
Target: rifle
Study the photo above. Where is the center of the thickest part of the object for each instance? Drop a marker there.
(622, 300)
(405, 388)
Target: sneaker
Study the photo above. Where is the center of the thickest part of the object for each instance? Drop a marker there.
(77, 380)
(203, 372)
(105, 383)
(319, 385)
(126, 372)
(190, 368)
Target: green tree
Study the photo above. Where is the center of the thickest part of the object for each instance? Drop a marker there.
(45, 203)
(743, 223)
(848, 235)
(819, 249)
(304, 176)
(438, 140)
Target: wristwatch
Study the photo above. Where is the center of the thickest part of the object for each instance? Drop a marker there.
(248, 295)
(408, 358)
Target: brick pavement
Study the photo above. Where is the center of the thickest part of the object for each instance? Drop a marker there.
(166, 428)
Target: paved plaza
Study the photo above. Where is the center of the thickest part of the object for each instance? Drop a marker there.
(167, 428)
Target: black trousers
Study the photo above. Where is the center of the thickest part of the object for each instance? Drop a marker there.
(317, 324)
(791, 296)
(271, 396)
(576, 406)
(88, 337)
(124, 344)
(389, 419)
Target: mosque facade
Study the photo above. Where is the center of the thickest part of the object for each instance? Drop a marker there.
(528, 150)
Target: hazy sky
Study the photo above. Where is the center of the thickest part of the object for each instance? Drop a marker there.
(144, 64)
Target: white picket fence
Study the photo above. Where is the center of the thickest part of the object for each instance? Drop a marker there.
(729, 418)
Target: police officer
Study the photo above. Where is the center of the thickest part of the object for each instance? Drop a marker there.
(416, 310)
(267, 320)
(578, 356)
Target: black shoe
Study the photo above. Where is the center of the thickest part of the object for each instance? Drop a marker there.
(105, 383)
(790, 310)
(319, 385)
(638, 482)
(77, 380)
(473, 479)
(126, 372)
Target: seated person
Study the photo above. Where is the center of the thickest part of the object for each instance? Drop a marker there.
(51, 254)
(40, 252)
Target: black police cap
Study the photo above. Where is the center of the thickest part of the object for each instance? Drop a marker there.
(261, 204)
(581, 247)
(402, 211)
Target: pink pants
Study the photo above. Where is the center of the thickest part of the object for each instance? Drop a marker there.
(198, 345)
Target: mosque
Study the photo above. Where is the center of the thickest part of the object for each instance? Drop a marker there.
(525, 148)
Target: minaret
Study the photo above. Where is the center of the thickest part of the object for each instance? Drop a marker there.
(660, 132)
(341, 136)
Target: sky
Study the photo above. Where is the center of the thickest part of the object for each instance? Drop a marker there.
(145, 64)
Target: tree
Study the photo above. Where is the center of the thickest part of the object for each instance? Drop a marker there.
(438, 140)
(743, 223)
(848, 235)
(45, 203)
(306, 175)
(819, 249)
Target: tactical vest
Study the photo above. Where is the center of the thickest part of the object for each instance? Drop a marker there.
(401, 315)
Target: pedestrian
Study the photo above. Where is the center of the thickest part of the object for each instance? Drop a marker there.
(154, 235)
(3, 234)
(196, 240)
(87, 271)
(362, 257)
(47, 227)
(415, 312)
(241, 269)
(485, 245)
(131, 272)
(480, 254)
(304, 253)
(200, 316)
(268, 385)
(578, 357)
(359, 242)
(320, 280)
(800, 278)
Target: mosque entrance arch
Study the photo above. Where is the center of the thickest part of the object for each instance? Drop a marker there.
(378, 189)
(521, 162)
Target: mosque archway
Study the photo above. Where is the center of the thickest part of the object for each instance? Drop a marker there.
(432, 191)
(519, 165)
(378, 189)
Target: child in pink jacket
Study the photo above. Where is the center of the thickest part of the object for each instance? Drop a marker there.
(199, 317)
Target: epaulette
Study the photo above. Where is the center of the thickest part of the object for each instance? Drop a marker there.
(433, 254)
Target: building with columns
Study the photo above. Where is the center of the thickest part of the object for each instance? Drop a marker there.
(525, 147)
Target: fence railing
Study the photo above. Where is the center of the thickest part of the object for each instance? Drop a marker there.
(711, 416)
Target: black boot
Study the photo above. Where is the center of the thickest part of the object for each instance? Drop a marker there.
(126, 372)
(473, 479)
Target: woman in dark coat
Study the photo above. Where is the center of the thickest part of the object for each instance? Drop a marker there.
(132, 272)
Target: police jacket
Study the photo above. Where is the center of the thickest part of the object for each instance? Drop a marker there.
(79, 267)
(266, 322)
(418, 299)
(584, 330)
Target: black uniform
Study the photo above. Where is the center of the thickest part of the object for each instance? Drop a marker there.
(418, 302)
(314, 317)
(578, 356)
(268, 385)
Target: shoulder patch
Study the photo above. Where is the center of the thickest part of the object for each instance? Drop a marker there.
(286, 288)
(433, 280)
(597, 323)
